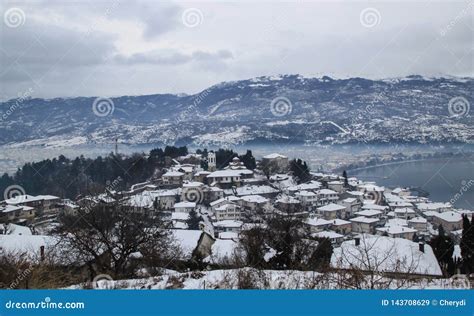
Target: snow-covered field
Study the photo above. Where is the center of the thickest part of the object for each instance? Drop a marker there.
(260, 279)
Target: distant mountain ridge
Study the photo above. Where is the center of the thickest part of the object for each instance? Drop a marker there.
(413, 109)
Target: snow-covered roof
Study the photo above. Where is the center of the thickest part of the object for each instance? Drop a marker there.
(221, 250)
(172, 192)
(179, 216)
(28, 244)
(451, 217)
(326, 192)
(396, 222)
(338, 221)
(185, 205)
(432, 206)
(20, 199)
(255, 189)
(230, 198)
(192, 184)
(363, 219)
(355, 193)
(419, 220)
(13, 229)
(328, 234)
(230, 173)
(349, 200)
(143, 199)
(395, 230)
(228, 235)
(369, 213)
(9, 208)
(374, 207)
(274, 156)
(405, 210)
(312, 185)
(386, 254)
(317, 222)
(286, 199)
(332, 207)
(228, 223)
(305, 193)
(254, 199)
(47, 197)
(173, 174)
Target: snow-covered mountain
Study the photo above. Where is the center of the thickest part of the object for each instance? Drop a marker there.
(264, 109)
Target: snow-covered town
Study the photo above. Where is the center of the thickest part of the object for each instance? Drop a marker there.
(276, 225)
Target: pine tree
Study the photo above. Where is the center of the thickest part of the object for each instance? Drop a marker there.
(193, 220)
(467, 245)
(443, 248)
(344, 175)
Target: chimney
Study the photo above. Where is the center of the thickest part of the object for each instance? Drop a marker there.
(357, 241)
(421, 246)
(42, 253)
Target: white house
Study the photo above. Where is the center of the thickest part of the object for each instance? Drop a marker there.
(337, 186)
(330, 211)
(397, 231)
(317, 225)
(280, 161)
(184, 207)
(229, 211)
(419, 223)
(450, 221)
(233, 226)
(326, 196)
(362, 224)
(173, 178)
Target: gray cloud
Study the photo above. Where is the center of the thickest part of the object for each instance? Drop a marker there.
(173, 57)
(75, 48)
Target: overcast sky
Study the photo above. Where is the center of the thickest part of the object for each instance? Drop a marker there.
(111, 48)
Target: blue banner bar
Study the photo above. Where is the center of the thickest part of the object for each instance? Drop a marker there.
(234, 302)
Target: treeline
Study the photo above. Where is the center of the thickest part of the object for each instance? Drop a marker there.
(68, 178)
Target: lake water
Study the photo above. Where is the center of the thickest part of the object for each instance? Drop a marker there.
(442, 178)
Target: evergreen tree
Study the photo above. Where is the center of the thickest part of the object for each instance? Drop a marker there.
(300, 170)
(321, 257)
(193, 220)
(344, 175)
(443, 248)
(249, 160)
(467, 245)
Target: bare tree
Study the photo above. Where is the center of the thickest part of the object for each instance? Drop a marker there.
(112, 238)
